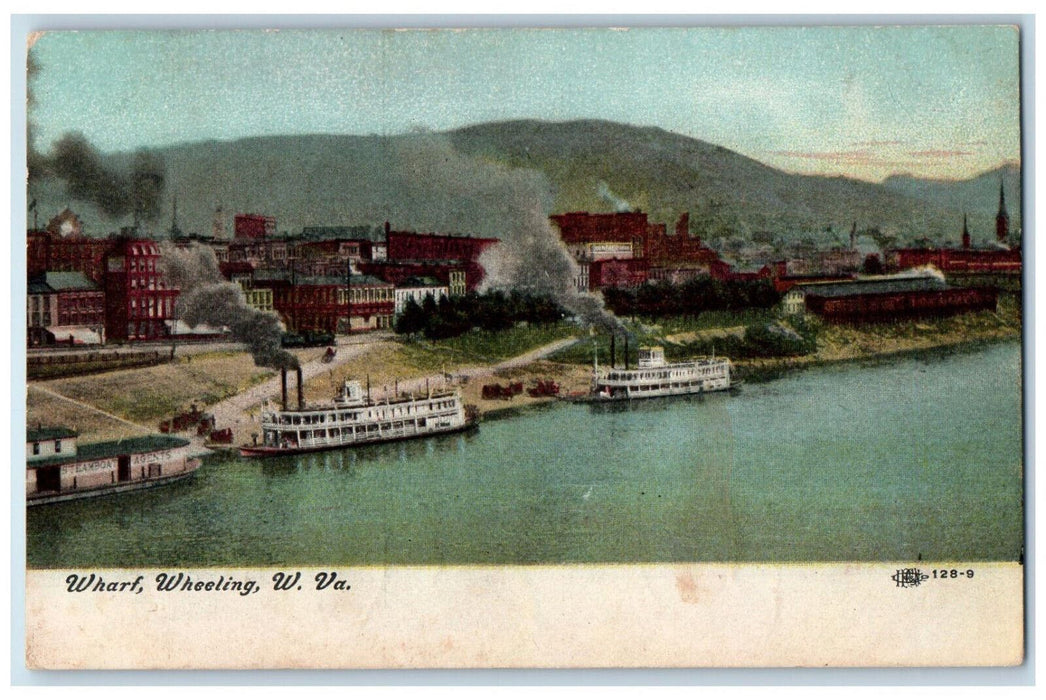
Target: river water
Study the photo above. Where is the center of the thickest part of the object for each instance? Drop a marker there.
(891, 461)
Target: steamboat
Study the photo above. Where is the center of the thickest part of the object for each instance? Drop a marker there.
(354, 419)
(654, 377)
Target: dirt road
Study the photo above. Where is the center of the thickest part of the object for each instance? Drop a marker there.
(240, 412)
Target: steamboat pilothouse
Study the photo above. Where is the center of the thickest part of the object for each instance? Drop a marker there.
(654, 377)
(354, 419)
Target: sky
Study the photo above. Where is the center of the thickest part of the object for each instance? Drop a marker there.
(865, 102)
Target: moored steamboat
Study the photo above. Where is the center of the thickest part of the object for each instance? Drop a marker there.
(654, 377)
(354, 419)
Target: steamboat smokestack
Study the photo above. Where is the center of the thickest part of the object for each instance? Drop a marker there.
(613, 351)
(301, 393)
(626, 351)
(283, 386)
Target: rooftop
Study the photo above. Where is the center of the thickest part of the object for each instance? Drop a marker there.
(115, 448)
(876, 285)
(41, 434)
(50, 282)
(420, 282)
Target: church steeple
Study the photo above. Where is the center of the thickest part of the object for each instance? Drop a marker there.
(1002, 219)
(965, 233)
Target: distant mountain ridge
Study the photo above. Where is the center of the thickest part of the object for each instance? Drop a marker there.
(434, 182)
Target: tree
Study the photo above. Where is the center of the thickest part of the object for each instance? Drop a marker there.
(412, 320)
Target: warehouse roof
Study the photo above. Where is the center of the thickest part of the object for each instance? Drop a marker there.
(877, 285)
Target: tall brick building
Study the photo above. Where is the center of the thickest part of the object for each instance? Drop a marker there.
(138, 303)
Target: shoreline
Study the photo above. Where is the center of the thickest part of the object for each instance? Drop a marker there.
(836, 346)
(762, 370)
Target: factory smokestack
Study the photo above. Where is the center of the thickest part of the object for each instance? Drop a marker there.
(301, 390)
(283, 387)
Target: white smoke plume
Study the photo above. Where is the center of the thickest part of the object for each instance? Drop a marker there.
(620, 205)
(920, 272)
(429, 181)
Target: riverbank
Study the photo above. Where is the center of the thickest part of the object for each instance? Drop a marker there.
(131, 402)
(885, 342)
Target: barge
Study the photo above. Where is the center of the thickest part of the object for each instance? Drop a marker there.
(59, 469)
(354, 419)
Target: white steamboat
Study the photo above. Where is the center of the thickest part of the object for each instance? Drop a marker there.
(354, 419)
(654, 377)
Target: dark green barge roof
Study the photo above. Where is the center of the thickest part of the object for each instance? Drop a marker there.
(114, 448)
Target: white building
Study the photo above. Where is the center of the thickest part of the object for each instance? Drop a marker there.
(417, 288)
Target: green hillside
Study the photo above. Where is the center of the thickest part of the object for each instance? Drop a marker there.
(486, 178)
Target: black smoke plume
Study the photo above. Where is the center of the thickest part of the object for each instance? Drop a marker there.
(116, 191)
(205, 297)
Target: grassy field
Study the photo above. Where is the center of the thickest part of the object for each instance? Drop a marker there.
(93, 426)
(483, 347)
(709, 320)
(147, 395)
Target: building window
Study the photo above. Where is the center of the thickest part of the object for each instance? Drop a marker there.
(57, 445)
(36, 448)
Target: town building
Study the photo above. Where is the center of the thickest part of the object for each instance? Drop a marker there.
(410, 254)
(64, 308)
(957, 260)
(617, 273)
(52, 251)
(335, 304)
(883, 299)
(418, 289)
(253, 226)
(47, 443)
(138, 302)
(627, 249)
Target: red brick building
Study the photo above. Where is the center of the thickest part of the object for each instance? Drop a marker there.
(336, 304)
(48, 251)
(253, 226)
(957, 260)
(64, 308)
(441, 256)
(138, 303)
(654, 253)
(456, 276)
(405, 245)
(967, 259)
(648, 240)
(889, 299)
(617, 273)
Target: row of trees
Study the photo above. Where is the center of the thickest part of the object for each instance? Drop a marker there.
(660, 299)
(491, 311)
